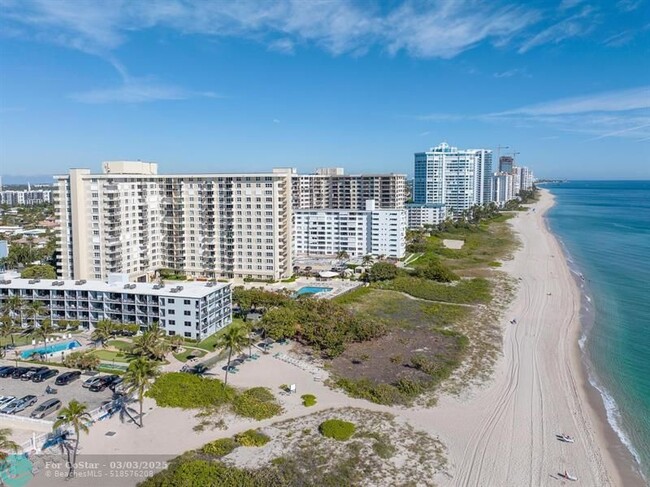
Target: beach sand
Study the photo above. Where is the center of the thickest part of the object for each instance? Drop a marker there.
(499, 434)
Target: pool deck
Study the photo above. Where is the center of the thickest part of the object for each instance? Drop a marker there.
(339, 286)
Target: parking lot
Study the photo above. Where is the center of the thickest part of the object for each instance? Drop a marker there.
(20, 388)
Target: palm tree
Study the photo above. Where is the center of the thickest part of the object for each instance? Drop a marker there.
(233, 340)
(33, 311)
(367, 259)
(7, 328)
(151, 343)
(176, 342)
(138, 377)
(13, 307)
(103, 332)
(75, 415)
(7, 445)
(44, 330)
(342, 255)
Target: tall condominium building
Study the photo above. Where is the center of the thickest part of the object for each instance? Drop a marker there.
(526, 178)
(502, 184)
(331, 188)
(457, 178)
(326, 232)
(132, 220)
(506, 163)
(190, 310)
(25, 197)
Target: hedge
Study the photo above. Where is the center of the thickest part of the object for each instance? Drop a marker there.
(337, 429)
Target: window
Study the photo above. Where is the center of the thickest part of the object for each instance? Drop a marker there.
(172, 322)
(188, 323)
(171, 311)
(187, 313)
(187, 301)
(170, 300)
(188, 334)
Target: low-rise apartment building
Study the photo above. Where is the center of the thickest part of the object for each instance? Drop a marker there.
(419, 215)
(372, 231)
(191, 310)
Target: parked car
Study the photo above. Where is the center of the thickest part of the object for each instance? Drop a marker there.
(115, 383)
(46, 408)
(67, 377)
(18, 405)
(44, 375)
(19, 371)
(6, 400)
(31, 372)
(90, 381)
(5, 367)
(7, 371)
(103, 383)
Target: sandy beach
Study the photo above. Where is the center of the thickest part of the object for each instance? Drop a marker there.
(502, 433)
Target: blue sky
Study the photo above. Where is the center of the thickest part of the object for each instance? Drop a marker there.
(222, 86)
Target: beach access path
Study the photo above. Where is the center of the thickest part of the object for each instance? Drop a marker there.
(502, 433)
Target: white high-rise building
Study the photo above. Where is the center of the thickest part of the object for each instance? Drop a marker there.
(326, 232)
(133, 221)
(526, 178)
(456, 178)
(502, 184)
(516, 181)
(331, 188)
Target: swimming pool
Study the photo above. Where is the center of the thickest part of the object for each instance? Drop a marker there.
(311, 290)
(55, 347)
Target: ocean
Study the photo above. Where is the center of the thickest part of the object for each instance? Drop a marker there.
(604, 227)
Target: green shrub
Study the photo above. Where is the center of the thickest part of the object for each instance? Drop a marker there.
(494, 264)
(220, 447)
(257, 403)
(181, 390)
(201, 472)
(308, 400)
(437, 271)
(475, 290)
(382, 271)
(337, 429)
(383, 448)
(252, 438)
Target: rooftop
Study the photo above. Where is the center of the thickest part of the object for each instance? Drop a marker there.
(188, 289)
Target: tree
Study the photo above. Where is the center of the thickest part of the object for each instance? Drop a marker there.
(366, 260)
(14, 307)
(39, 271)
(176, 342)
(279, 323)
(382, 271)
(437, 271)
(7, 328)
(44, 330)
(75, 415)
(342, 255)
(33, 311)
(151, 343)
(138, 378)
(233, 340)
(7, 445)
(103, 332)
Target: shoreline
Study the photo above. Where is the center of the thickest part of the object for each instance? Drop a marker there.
(617, 454)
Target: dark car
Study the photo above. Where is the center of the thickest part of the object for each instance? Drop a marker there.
(115, 383)
(33, 371)
(103, 383)
(46, 408)
(44, 375)
(67, 377)
(4, 367)
(19, 371)
(7, 371)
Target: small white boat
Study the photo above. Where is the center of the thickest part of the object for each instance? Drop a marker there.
(565, 438)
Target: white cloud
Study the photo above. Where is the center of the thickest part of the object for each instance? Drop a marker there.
(611, 101)
(512, 72)
(442, 28)
(623, 113)
(576, 25)
(137, 91)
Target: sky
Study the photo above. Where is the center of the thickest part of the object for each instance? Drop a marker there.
(220, 86)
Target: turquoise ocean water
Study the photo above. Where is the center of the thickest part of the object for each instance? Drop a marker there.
(604, 227)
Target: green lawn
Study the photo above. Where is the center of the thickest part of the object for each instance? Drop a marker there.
(120, 344)
(189, 352)
(209, 342)
(109, 356)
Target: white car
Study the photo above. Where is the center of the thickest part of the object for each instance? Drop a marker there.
(6, 400)
(91, 381)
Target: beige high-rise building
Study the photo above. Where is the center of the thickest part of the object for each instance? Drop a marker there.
(331, 188)
(131, 220)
